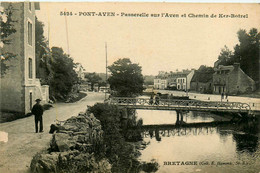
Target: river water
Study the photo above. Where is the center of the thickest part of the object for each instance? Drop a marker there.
(223, 148)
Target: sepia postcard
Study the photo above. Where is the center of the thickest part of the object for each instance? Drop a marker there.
(129, 87)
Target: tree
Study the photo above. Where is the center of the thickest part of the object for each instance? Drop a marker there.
(126, 78)
(247, 52)
(42, 54)
(205, 69)
(6, 29)
(225, 57)
(93, 78)
(64, 76)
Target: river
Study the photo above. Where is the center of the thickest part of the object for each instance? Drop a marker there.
(227, 147)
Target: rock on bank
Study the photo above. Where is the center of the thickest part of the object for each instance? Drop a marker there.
(76, 146)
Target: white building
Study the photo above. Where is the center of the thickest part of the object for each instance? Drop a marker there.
(184, 80)
(160, 83)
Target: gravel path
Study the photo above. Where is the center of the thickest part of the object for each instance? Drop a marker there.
(19, 142)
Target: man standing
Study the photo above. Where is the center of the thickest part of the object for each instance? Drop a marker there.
(37, 111)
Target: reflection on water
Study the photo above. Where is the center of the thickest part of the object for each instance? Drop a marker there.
(225, 147)
(170, 117)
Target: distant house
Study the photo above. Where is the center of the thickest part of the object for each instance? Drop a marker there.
(80, 71)
(202, 82)
(184, 79)
(174, 80)
(231, 79)
(19, 86)
(160, 83)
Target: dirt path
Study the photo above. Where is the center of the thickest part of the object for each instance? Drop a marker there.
(23, 143)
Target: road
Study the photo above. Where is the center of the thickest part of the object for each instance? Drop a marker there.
(19, 142)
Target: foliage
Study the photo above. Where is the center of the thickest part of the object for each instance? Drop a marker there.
(205, 69)
(246, 53)
(149, 79)
(119, 152)
(126, 78)
(6, 29)
(93, 78)
(64, 76)
(7, 24)
(42, 54)
(225, 57)
(53, 66)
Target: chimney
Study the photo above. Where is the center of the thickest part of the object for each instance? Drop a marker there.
(236, 65)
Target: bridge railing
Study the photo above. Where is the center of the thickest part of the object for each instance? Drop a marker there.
(179, 103)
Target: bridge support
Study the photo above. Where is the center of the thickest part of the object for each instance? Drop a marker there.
(179, 119)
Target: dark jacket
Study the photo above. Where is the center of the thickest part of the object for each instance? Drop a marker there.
(37, 110)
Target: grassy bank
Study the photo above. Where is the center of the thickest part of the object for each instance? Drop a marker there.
(119, 141)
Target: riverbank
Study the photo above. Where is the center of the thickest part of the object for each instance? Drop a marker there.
(95, 138)
(19, 142)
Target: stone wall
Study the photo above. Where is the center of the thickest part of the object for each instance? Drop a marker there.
(72, 148)
(239, 82)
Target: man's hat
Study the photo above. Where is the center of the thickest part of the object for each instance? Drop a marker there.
(38, 100)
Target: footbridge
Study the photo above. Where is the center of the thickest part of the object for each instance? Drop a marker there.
(181, 105)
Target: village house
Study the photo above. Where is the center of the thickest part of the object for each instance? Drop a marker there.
(232, 80)
(174, 80)
(80, 71)
(184, 79)
(202, 82)
(160, 81)
(19, 85)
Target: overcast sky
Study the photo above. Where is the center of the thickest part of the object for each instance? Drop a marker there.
(161, 43)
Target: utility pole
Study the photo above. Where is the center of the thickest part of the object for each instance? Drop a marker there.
(106, 71)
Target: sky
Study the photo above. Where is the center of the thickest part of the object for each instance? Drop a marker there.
(155, 43)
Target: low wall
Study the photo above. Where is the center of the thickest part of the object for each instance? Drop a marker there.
(72, 147)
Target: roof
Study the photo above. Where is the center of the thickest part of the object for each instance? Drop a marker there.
(202, 77)
(228, 67)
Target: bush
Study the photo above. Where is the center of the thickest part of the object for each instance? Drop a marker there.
(120, 153)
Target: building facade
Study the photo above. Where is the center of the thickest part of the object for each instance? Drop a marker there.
(202, 82)
(184, 80)
(19, 85)
(231, 79)
(160, 83)
(174, 80)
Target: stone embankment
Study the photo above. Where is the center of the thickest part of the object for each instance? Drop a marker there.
(72, 147)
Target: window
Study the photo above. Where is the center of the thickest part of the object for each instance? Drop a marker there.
(31, 101)
(29, 33)
(30, 68)
(30, 6)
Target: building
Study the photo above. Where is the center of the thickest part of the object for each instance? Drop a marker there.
(160, 81)
(80, 71)
(19, 86)
(202, 82)
(174, 80)
(231, 79)
(183, 79)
